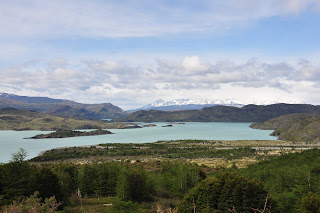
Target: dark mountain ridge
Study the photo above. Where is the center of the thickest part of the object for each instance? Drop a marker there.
(62, 107)
(176, 107)
(32, 100)
(293, 127)
(248, 113)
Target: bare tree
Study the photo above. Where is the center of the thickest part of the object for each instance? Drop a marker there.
(20, 156)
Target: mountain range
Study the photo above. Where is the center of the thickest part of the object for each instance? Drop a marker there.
(62, 107)
(248, 113)
(186, 104)
(171, 111)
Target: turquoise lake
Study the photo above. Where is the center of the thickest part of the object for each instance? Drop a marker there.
(11, 141)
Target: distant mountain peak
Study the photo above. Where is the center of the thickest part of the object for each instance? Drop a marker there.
(185, 103)
(3, 94)
(160, 100)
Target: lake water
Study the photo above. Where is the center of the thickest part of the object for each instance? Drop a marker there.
(11, 141)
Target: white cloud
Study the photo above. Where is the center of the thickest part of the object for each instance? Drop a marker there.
(296, 6)
(9, 50)
(27, 27)
(193, 65)
(251, 81)
(94, 19)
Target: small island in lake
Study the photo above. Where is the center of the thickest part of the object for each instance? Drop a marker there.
(71, 133)
(169, 125)
(131, 127)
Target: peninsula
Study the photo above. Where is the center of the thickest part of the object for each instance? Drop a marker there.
(21, 119)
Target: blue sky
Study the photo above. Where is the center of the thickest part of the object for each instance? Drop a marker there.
(133, 52)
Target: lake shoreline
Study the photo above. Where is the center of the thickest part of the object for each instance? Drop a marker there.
(12, 141)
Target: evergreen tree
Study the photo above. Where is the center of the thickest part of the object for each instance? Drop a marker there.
(17, 178)
(227, 191)
(88, 179)
(310, 203)
(176, 178)
(106, 181)
(68, 178)
(48, 184)
(135, 185)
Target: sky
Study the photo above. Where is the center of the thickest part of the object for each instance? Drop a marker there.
(133, 52)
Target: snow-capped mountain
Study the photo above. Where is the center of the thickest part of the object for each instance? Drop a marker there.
(187, 104)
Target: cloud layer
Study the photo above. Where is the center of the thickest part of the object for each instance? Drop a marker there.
(131, 86)
(126, 18)
(174, 32)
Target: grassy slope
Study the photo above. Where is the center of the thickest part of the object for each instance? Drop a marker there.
(209, 153)
(14, 119)
(294, 127)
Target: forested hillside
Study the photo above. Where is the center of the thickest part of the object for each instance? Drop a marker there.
(292, 180)
(289, 183)
(125, 182)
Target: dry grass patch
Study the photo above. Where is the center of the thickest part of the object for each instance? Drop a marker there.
(220, 162)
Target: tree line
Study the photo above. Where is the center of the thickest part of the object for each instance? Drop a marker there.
(124, 180)
(289, 183)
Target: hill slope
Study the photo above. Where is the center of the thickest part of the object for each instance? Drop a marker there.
(293, 127)
(62, 107)
(248, 113)
(34, 100)
(20, 119)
